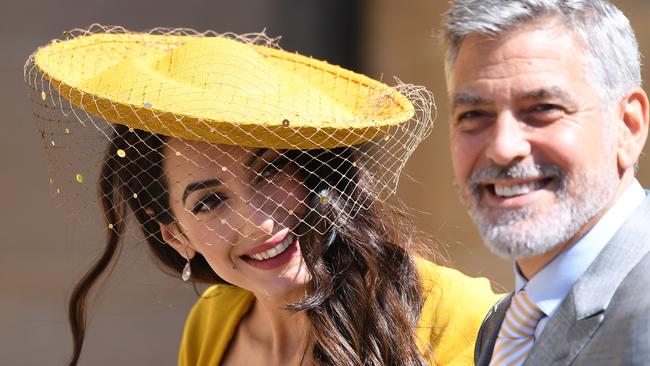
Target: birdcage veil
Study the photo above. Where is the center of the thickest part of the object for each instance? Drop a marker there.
(232, 122)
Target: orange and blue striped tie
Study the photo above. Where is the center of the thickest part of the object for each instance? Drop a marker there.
(517, 332)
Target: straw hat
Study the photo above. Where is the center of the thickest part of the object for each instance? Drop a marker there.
(97, 90)
(219, 89)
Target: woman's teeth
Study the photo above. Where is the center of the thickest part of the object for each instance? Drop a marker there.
(281, 247)
(516, 190)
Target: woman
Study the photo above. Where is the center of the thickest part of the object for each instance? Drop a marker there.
(263, 173)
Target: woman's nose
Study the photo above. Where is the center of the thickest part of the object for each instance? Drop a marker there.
(253, 222)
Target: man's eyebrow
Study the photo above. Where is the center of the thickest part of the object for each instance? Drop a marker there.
(256, 155)
(552, 93)
(549, 93)
(200, 185)
(467, 99)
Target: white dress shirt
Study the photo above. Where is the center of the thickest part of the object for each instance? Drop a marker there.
(549, 286)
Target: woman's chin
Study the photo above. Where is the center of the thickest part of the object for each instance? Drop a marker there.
(284, 290)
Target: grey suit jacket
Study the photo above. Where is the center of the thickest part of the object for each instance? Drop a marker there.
(605, 318)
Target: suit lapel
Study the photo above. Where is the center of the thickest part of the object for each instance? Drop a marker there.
(564, 336)
(583, 310)
(489, 330)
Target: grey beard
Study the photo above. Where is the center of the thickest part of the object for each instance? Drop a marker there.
(534, 230)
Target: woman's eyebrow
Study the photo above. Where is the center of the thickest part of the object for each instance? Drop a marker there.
(256, 155)
(200, 185)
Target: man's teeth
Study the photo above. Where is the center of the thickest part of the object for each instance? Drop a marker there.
(281, 247)
(516, 190)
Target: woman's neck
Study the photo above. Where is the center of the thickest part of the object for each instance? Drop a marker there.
(282, 334)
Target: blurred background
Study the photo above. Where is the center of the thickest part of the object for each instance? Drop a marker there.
(138, 317)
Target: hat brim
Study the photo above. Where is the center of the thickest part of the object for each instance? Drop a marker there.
(220, 90)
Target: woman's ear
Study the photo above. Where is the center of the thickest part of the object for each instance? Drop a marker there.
(173, 236)
(634, 115)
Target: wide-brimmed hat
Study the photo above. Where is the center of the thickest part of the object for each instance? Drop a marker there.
(219, 89)
(106, 84)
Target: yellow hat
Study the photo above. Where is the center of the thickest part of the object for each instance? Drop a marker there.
(221, 89)
(106, 84)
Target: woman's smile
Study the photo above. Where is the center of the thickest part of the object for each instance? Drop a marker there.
(274, 253)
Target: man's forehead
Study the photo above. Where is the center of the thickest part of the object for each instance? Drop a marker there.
(544, 25)
(533, 63)
(539, 40)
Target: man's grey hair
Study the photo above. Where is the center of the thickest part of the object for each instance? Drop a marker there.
(610, 47)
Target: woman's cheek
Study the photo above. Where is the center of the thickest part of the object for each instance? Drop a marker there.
(285, 192)
(299, 193)
(212, 234)
(286, 204)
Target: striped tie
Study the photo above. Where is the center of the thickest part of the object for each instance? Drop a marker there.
(517, 332)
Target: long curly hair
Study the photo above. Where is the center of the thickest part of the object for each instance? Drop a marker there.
(364, 297)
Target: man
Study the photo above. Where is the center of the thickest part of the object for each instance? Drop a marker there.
(548, 120)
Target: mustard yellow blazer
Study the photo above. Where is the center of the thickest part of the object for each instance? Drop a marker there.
(454, 308)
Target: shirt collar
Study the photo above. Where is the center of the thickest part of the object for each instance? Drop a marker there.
(550, 285)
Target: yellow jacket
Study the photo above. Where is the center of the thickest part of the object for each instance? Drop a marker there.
(454, 308)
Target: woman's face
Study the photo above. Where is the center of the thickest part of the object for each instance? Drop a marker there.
(238, 207)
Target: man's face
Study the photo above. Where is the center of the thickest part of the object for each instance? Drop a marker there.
(531, 142)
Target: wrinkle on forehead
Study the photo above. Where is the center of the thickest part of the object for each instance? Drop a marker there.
(525, 54)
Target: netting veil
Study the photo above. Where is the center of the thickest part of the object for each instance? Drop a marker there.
(219, 133)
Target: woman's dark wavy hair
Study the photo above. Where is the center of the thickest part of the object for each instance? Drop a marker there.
(364, 297)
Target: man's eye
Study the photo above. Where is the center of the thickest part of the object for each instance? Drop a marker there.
(472, 121)
(545, 108)
(545, 113)
(469, 115)
(208, 203)
(548, 109)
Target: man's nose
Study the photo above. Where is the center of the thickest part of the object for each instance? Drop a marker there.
(509, 141)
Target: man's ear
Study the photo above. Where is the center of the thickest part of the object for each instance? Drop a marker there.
(173, 236)
(634, 115)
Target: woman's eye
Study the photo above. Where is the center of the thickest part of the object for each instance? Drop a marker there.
(269, 172)
(208, 203)
(273, 168)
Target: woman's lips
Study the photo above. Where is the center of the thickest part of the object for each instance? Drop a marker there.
(275, 250)
(276, 256)
(269, 243)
